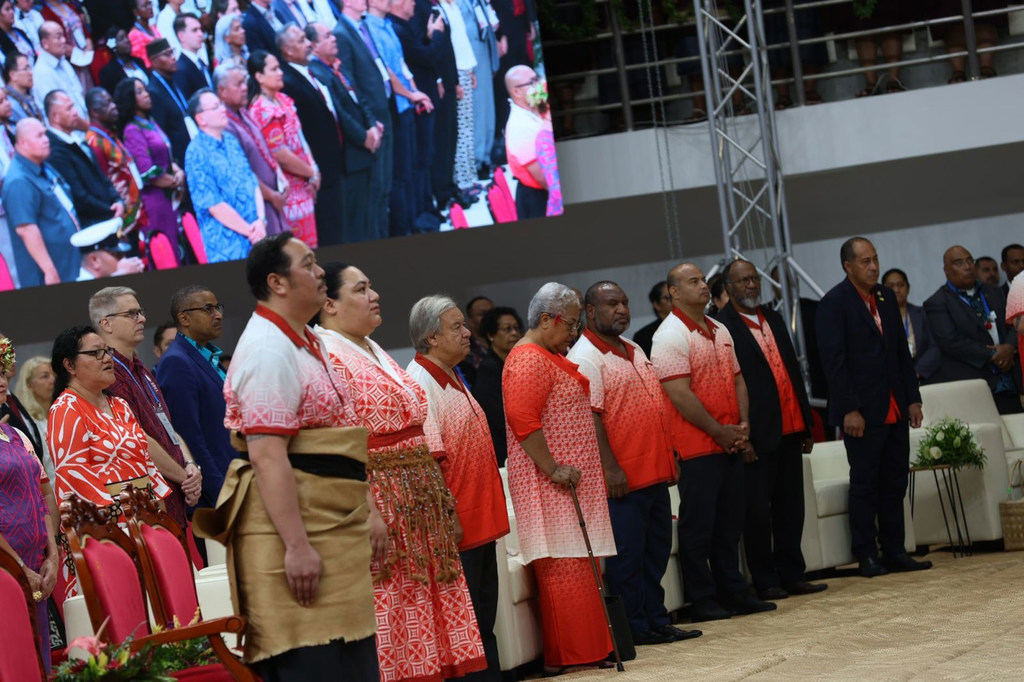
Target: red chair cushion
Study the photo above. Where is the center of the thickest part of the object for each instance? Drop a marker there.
(6, 281)
(17, 639)
(458, 217)
(173, 573)
(162, 252)
(116, 583)
(194, 236)
(215, 672)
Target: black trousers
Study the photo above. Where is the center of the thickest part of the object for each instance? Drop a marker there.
(423, 158)
(879, 462)
(642, 525)
(403, 198)
(337, 660)
(1008, 403)
(380, 184)
(355, 190)
(329, 211)
(774, 489)
(710, 525)
(480, 566)
(531, 202)
(443, 161)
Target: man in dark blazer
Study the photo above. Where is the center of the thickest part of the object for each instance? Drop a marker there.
(320, 126)
(92, 193)
(191, 378)
(873, 395)
(780, 431)
(359, 64)
(261, 27)
(361, 134)
(1012, 264)
(193, 71)
(170, 107)
(446, 123)
(967, 320)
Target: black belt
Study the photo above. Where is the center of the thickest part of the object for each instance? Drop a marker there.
(329, 466)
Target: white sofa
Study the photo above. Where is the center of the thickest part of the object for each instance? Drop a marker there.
(826, 541)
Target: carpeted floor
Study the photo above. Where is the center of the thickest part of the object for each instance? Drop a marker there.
(962, 620)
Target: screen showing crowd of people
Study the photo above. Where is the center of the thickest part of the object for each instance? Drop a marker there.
(140, 135)
(590, 428)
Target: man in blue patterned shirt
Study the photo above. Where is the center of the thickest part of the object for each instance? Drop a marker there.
(222, 184)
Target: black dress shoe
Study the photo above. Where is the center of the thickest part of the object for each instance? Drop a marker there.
(744, 603)
(804, 587)
(902, 563)
(652, 637)
(870, 568)
(678, 634)
(772, 593)
(707, 609)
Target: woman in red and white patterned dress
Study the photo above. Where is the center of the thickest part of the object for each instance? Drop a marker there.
(96, 443)
(426, 627)
(552, 444)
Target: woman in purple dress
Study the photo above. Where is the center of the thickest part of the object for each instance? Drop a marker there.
(26, 531)
(149, 145)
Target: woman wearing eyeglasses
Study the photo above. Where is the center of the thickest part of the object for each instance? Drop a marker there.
(97, 444)
(552, 445)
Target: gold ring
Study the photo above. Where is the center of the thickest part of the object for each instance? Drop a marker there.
(37, 595)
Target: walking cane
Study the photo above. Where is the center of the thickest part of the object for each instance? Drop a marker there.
(597, 577)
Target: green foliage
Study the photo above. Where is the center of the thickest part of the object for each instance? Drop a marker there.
(951, 442)
(119, 664)
(863, 9)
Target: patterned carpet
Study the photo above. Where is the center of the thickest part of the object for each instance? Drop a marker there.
(962, 620)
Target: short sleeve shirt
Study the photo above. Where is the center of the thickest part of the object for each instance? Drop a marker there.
(682, 349)
(278, 382)
(634, 408)
(457, 425)
(28, 195)
(521, 133)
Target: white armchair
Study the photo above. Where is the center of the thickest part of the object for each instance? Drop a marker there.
(971, 401)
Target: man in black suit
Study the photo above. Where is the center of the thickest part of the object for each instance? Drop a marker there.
(1012, 265)
(661, 304)
(92, 193)
(261, 27)
(780, 421)
(365, 71)
(967, 320)
(316, 111)
(170, 107)
(425, 45)
(193, 72)
(361, 133)
(873, 395)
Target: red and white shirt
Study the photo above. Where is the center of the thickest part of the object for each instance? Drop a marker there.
(457, 433)
(279, 383)
(792, 415)
(634, 408)
(681, 348)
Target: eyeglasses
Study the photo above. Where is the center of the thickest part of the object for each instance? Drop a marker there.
(571, 324)
(532, 81)
(744, 281)
(134, 314)
(97, 354)
(220, 105)
(509, 329)
(209, 309)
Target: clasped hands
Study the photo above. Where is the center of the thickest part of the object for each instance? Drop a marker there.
(735, 438)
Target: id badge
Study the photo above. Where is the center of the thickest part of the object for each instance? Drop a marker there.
(135, 174)
(162, 416)
(64, 199)
(192, 128)
(406, 72)
(481, 17)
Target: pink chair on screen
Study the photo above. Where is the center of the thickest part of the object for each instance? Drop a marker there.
(161, 253)
(19, 647)
(194, 236)
(6, 281)
(458, 217)
(502, 183)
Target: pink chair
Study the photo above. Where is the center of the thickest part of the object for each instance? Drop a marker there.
(18, 641)
(6, 281)
(194, 236)
(502, 210)
(458, 217)
(502, 183)
(161, 253)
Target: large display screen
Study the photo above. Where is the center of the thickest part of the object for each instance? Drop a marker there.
(186, 136)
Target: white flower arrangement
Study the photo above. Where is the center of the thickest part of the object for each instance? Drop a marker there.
(950, 442)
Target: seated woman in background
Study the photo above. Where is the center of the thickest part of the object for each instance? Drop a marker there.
(502, 327)
(98, 444)
(923, 349)
(35, 389)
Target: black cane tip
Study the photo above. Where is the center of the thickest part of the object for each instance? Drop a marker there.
(619, 667)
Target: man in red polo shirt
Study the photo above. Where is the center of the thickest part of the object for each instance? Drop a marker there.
(693, 356)
(635, 416)
(780, 421)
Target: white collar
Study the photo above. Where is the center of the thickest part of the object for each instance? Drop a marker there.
(50, 60)
(194, 56)
(61, 135)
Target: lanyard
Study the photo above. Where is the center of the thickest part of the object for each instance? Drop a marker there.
(179, 99)
(149, 385)
(984, 303)
(102, 133)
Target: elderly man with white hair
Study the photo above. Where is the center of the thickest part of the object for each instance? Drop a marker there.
(553, 444)
(460, 440)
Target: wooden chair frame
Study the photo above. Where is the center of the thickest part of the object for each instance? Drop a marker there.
(7, 563)
(82, 519)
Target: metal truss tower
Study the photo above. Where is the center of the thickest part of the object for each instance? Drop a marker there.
(741, 122)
